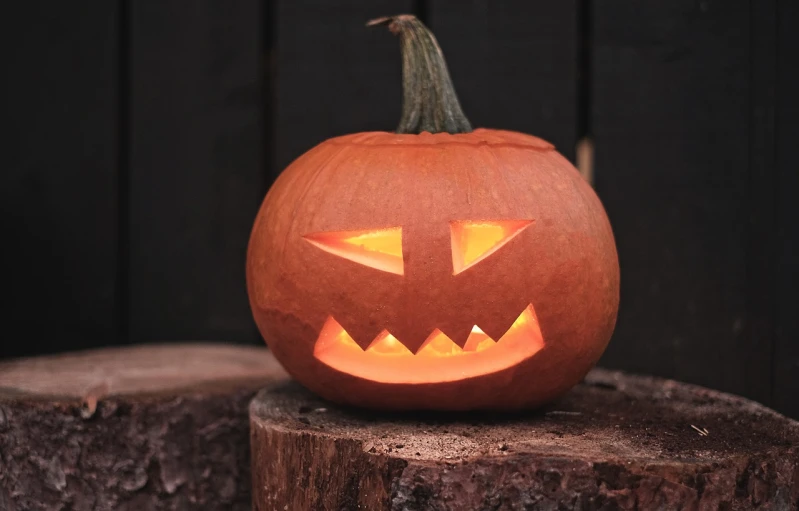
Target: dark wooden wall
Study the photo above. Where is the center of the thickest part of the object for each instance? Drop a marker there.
(142, 135)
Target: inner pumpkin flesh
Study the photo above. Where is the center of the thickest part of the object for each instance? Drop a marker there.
(438, 360)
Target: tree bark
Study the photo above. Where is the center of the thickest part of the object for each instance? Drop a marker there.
(137, 428)
(614, 442)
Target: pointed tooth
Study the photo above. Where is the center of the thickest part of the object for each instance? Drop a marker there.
(459, 333)
(346, 340)
(527, 322)
(387, 344)
(412, 335)
(498, 323)
(439, 345)
(330, 329)
(478, 340)
(333, 336)
(362, 333)
(495, 329)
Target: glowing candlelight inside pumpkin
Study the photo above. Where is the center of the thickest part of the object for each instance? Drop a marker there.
(439, 359)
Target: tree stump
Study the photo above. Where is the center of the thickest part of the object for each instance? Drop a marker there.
(614, 442)
(137, 428)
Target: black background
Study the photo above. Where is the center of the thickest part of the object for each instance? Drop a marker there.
(141, 137)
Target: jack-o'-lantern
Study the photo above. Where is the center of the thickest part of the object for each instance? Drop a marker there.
(438, 267)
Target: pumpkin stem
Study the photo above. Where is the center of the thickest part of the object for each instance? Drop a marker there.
(429, 102)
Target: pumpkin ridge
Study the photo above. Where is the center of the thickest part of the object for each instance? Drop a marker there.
(480, 137)
(422, 145)
(308, 186)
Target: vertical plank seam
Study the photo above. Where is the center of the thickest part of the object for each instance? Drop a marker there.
(785, 362)
(774, 221)
(584, 137)
(584, 54)
(122, 298)
(267, 75)
(761, 247)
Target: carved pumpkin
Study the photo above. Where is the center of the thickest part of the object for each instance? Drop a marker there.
(438, 267)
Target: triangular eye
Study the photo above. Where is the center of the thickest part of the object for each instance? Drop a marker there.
(473, 241)
(378, 248)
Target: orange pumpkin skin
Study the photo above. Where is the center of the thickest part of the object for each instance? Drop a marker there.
(564, 263)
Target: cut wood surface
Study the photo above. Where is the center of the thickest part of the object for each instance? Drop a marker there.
(140, 428)
(614, 442)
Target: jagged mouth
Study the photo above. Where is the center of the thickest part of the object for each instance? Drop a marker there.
(438, 360)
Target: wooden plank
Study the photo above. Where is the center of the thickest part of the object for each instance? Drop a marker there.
(335, 75)
(58, 189)
(514, 64)
(672, 122)
(786, 366)
(196, 174)
(761, 269)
